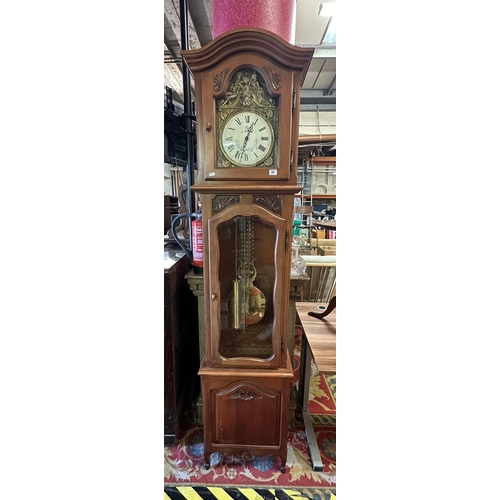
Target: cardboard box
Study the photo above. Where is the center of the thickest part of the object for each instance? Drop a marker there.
(317, 233)
(322, 242)
(327, 250)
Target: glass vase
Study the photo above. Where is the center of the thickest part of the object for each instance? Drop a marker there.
(299, 265)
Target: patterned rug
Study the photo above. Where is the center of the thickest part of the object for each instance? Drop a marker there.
(183, 461)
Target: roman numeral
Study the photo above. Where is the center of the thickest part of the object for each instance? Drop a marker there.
(264, 138)
(238, 121)
(229, 138)
(246, 157)
(229, 128)
(230, 148)
(255, 154)
(262, 148)
(247, 118)
(261, 129)
(238, 153)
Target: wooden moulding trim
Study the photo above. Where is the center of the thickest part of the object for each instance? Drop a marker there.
(258, 449)
(323, 160)
(320, 197)
(249, 189)
(255, 40)
(308, 139)
(247, 372)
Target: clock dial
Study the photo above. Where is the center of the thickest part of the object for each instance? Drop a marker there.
(247, 138)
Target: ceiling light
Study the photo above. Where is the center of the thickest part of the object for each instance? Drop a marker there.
(327, 9)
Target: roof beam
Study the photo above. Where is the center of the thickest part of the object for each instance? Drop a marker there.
(201, 14)
(317, 96)
(172, 16)
(318, 107)
(331, 90)
(322, 51)
(172, 36)
(169, 36)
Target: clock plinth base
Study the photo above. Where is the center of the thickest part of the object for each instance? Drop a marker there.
(246, 412)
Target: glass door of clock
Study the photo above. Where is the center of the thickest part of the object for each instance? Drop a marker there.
(249, 276)
(249, 137)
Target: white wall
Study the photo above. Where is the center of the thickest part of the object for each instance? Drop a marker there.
(317, 122)
(167, 180)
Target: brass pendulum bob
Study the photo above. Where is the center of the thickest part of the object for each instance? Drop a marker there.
(247, 303)
(255, 300)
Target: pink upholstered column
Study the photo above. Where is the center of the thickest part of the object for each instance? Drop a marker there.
(277, 16)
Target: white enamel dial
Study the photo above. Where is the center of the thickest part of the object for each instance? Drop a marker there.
(247, 139)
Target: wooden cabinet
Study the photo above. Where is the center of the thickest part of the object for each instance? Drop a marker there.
(248, 411)
(171, 207)
(247, 93)
(181, 383)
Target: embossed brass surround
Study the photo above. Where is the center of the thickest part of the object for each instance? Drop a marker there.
(247, 96)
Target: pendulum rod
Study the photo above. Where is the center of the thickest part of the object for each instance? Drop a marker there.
(236, 283)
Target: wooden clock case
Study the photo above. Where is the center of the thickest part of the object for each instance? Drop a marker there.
(246, 392)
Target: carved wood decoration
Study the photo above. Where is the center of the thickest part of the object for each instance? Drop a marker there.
(245, 394)
(275, 78)
(273, 203)
(219, 80)
(221, 202)
(246, 390)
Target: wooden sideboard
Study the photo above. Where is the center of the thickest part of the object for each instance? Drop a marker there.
(181, 382)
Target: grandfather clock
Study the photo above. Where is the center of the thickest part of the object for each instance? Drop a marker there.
(247, 100)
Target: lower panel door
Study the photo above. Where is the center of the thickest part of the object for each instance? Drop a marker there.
(246, 413)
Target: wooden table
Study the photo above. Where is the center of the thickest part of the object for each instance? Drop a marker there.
(329, 224)
(319, 341)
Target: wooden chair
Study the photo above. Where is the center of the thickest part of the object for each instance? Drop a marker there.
(322, 271)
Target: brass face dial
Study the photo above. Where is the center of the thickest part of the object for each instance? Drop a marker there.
(247, 138)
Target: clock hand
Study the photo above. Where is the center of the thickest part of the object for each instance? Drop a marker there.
(250, 129)
(244, 144)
